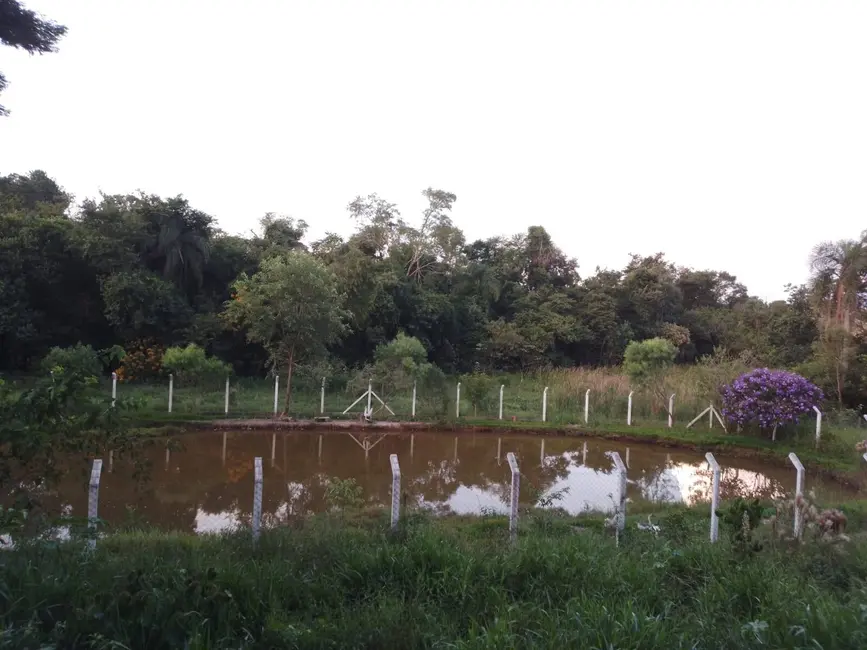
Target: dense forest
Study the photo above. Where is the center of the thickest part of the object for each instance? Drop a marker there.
(128, 269)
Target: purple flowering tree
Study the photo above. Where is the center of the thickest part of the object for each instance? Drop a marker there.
(769, 399)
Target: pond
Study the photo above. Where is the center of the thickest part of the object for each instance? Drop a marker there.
(205, 483)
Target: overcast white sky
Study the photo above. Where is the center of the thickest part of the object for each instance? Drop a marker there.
(730, 135)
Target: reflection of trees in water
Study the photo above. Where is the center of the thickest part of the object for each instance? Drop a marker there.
(204, 482)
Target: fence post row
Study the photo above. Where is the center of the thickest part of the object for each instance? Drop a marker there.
(502, 386)
(257, 497)
(799, 492)
(276, 392)
(629, 409)
(545, 404)
(714, 499)
(458, 401)
(171, 390)
(513, 502)
(93, 500)
(620, 504)
(818, 425)
(395, 491)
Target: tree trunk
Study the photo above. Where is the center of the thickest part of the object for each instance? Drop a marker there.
(291, 365)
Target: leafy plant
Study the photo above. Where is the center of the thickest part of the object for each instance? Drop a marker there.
(190, 363)
(740, 519)
(477, 387)
(344, 494)
(81, 359)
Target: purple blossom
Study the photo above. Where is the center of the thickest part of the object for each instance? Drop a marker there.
(769, 398)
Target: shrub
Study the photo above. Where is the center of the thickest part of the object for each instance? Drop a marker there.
(142, 361)
(769, 398)
(191, 363)
(645, 360)
(79, 359)
(477, 387)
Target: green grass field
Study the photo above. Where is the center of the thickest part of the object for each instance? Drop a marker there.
(344, 581)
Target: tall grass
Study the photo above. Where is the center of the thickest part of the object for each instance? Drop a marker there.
(445, 583)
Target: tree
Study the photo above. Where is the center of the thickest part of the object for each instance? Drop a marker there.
(838, 280)
(291, 306)
(646, 362)
(24, 29)
(769, 399)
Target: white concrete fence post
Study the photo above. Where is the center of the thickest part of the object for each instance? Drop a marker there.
(257, 497)
(629, 409)
(113, 388)
(395, 491)
(322, 397)
(714, 498)
(671, 410)
(545, 405)
(799, 493)
(620, 503)
(502, 386)
(458, 401)
(818, 425)
(93, 501)
(226, 404)
(413, 399)
(513, 500)
(171, 391)
(586, 406)
(276, 392)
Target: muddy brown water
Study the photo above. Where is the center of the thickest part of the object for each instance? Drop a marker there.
(205, 484)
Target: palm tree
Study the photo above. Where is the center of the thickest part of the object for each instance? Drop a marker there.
(180, 247)
(838, 282)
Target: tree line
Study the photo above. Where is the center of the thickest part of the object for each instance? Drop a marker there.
(140, 269)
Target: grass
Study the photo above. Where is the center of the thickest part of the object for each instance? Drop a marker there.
(345, 582)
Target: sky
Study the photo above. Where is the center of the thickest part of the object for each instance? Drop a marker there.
(728, 135)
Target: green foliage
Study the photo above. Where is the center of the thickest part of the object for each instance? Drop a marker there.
(646, 360)
(79, 359)
(477, 387)
(334, 583)
(740, 519)
(291, 306)
(343, 494)
(190, 363)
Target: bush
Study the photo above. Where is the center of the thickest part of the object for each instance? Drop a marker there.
(477, 387)
(646, 360)
(142, 361)
(769, 398)
(191, 364)
(78, 359)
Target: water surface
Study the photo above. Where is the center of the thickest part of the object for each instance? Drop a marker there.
(206, 484)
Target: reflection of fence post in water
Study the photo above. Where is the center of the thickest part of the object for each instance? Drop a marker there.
(395, 491)
(542, 454)
(318, 452)
(411, 446)
(273, 448)
(499, 449)
(93, 500)
(224, 447)
(110, 461)
(714, 498)
(627, 458)
(168, 458)
(257, 497)
(513, 499)
(620, 502)
(171, 390)
(584, 454)
(799, 492)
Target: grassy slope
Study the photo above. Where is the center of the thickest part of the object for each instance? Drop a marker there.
(457, 583)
